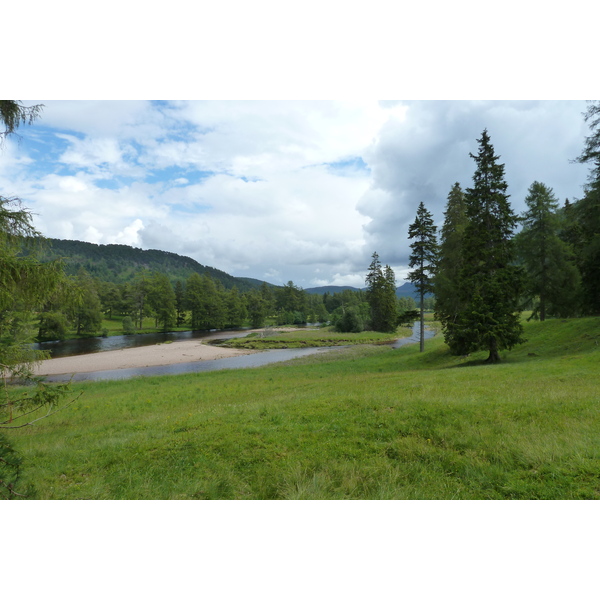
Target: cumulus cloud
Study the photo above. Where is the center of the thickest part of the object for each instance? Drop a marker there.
(277, 190)
(418, 159)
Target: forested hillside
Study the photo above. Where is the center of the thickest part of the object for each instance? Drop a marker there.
(118, 263)
(406, 290)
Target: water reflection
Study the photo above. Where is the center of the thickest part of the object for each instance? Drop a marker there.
(245, 361)
(118, 342)
(415, 336)
(91, 345)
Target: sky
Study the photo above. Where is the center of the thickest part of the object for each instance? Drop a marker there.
(277, 190)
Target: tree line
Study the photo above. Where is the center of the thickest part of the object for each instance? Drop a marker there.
(79, 304)
(482, 274)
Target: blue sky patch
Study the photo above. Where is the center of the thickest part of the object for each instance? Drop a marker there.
(350, 165)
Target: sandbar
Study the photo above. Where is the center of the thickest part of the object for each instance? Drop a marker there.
(131, 358)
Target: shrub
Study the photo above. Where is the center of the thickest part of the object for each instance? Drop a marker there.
(128, 326)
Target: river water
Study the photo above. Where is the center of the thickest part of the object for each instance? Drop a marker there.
(415, 336)
(118, 342)
(245, 361)
(91, 345)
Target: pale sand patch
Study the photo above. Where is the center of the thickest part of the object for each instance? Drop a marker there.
(131, 358)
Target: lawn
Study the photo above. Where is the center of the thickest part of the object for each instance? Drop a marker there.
(360, 422)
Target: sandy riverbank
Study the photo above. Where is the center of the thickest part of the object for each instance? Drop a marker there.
(130, 358)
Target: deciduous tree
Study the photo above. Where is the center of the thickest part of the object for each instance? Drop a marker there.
(161, 300)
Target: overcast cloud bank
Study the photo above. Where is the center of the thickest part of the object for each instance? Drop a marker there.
(302, 191)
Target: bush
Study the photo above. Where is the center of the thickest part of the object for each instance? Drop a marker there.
(351, 321)
(53, 326)
(128, 326)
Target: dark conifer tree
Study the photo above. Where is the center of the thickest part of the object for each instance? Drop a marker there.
(588, 214)
(552, 278)
(381, 296)
(423, 257)
(450, 261)
(490, 284)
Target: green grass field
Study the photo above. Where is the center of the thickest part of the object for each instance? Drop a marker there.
(314, 338)
(365, 422)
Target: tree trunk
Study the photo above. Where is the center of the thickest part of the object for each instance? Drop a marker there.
(494, 357)
(422, 344)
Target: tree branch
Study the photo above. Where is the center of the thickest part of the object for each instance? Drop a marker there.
(49, 413)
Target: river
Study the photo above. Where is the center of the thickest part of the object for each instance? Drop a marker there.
(415, 336)
(91, 345)
(118, 342)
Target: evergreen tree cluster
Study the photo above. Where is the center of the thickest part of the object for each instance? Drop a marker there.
(483, 274)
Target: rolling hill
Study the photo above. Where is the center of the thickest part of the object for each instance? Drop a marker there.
(405, 290)
(119, 263)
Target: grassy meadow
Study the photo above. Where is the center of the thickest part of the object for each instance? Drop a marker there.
(363, 422)
(300, 338)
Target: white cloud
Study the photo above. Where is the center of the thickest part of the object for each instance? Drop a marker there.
(130, 234)
(92, 235)
(277, 190)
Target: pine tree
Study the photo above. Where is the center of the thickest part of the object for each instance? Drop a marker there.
(450, 260)
(423, 257)
(551, 274)
(489, 283)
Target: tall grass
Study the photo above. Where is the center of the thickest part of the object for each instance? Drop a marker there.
(365, 422)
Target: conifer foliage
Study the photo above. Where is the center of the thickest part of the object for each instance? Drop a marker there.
(381, 296)
(489, 283)
(450, 261)
(25, 284)
(423, 257)
(552, 277)
(587, 212)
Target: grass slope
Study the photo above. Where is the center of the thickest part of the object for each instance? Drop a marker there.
(363, 422)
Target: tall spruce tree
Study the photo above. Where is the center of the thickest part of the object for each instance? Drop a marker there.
(423, 257)
(490, 284)
(450, 260)
(552, 277)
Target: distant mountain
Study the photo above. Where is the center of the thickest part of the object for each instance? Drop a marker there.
(405, 290)
(119, 263)
(331, 289)
(256, 282)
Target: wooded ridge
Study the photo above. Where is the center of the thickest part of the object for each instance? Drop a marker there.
(118, 263)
